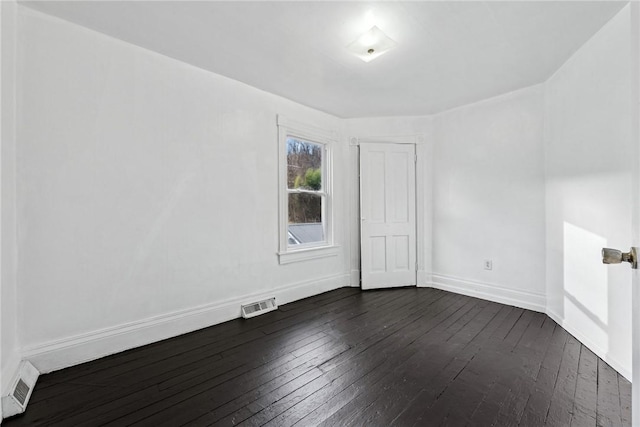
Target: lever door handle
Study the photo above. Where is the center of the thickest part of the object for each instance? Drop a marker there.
(614, 256)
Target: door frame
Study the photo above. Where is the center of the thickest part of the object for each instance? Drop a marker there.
(423, 197)
(635, 222)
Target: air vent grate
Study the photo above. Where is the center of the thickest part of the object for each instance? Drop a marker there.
(23, 383)
(259, 307)
(21, 391)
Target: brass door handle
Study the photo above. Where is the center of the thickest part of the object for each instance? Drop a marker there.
(614, 256)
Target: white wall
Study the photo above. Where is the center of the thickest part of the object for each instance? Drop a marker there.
(148, 196)
(9, 343)
(634, 12)
(489, 199)
(588, 149)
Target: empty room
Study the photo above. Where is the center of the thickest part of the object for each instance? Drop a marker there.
(319, 213)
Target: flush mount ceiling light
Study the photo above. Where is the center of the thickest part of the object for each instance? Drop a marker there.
(371, 44)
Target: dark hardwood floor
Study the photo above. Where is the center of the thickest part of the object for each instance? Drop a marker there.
(398, 357)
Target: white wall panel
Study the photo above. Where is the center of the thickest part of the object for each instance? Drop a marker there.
(9, 338)
(588, 200)
(489, 192)
(146, 186)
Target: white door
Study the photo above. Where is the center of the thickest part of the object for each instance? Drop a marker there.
(388, 215)
(635, 200)
(635, 330)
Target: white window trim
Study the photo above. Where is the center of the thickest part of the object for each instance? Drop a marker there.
(286, 254)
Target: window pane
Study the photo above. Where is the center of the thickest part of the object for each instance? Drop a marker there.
(304, 165)
(305, 219)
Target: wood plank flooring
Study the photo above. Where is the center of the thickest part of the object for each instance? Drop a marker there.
(399, 357)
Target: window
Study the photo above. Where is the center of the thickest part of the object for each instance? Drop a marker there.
(305, 192)
(306, 197)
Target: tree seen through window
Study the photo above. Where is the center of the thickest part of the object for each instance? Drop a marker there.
(304, 185)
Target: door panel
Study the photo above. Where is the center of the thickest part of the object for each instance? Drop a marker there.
(402, 253)
(388, 215)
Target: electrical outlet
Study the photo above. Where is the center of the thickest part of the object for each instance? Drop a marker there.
(488, 264)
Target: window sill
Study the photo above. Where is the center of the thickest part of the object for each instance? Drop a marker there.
(307, 254)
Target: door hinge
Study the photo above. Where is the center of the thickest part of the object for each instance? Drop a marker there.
(415, 158)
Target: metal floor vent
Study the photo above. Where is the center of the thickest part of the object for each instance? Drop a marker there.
(259, 307)
(23, 383)
(21, 391)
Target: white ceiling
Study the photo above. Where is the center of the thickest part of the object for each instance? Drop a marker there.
(448, 54)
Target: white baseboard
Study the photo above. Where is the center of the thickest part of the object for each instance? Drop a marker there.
(62, 353)
(584, 339)
(529, 300)
(355, 278)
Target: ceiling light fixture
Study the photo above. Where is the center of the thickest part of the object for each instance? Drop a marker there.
(371, 44)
